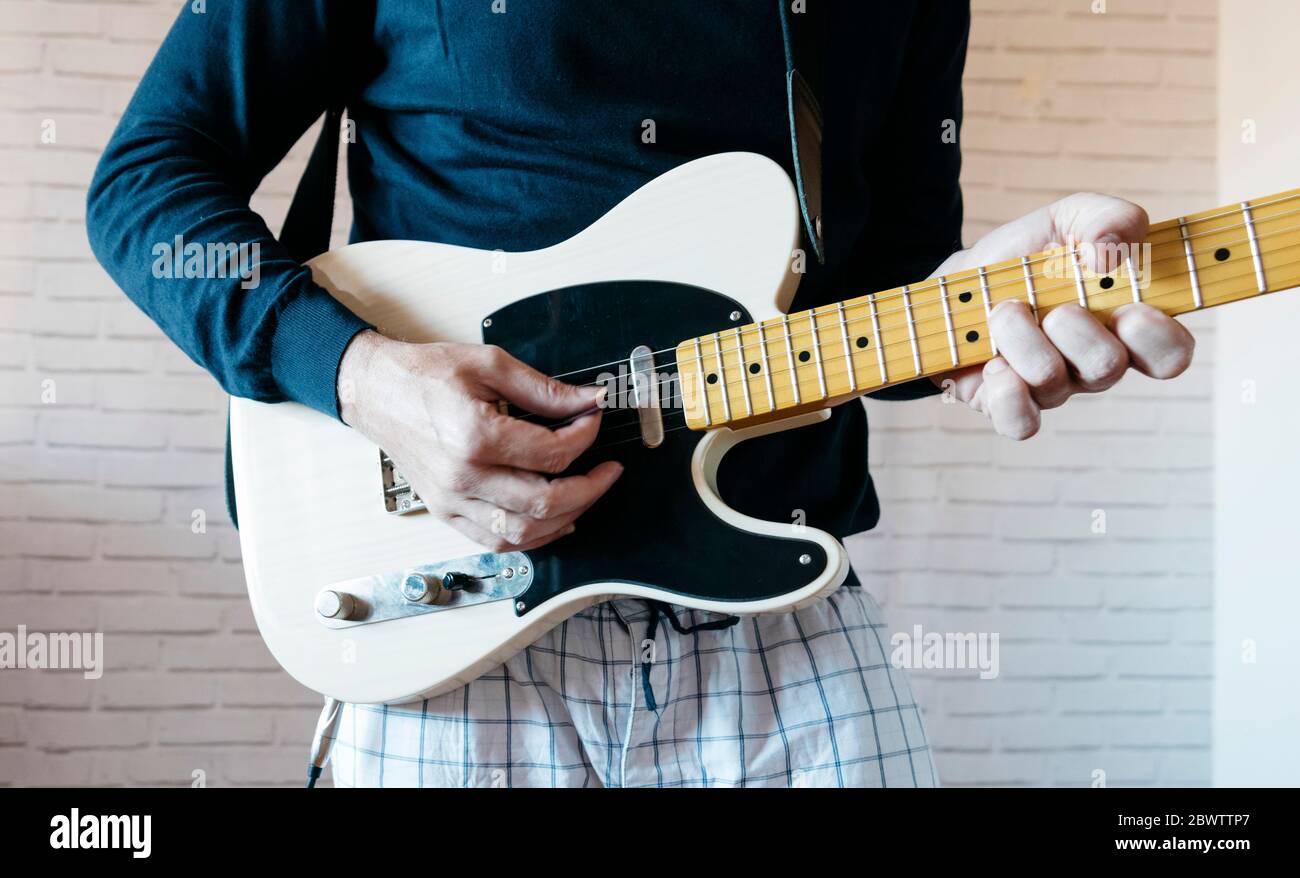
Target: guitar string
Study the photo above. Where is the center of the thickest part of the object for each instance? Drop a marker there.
(1233, 295)
(833, 346)
(681, 413)
(925, 286)
(905, 357)
(1123, 296)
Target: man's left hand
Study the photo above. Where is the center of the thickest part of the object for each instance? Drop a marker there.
(1040, 367)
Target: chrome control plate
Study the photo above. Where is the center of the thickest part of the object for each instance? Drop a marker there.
(379, 598)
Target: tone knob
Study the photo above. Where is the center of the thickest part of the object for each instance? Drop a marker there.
(333, 604)
(420, 589)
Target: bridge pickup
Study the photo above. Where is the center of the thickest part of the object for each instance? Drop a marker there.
(399, 497)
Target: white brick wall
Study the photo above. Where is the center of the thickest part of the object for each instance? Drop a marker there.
(1105, 640)
(97, 490)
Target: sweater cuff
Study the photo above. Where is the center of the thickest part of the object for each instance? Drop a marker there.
(310, 336)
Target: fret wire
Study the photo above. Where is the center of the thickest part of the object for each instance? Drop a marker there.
(789, 355)
(988, 309)
(1029, 286)
(744, 375)
(1078, 277)
(1191, 263)
(767, 367)
(947, 321)
(722, 378)
(704, 390)
(817, 353)
(848, 350)
(1254, 246)
(1132, 279)
(911, 330)
(875, 330)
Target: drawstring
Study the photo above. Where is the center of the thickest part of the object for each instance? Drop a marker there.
(657, 609)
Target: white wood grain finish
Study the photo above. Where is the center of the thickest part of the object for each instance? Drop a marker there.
(308, 491)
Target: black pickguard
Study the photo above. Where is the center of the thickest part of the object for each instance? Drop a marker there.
(651, 528)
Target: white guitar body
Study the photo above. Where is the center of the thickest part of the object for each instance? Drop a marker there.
(310, 498)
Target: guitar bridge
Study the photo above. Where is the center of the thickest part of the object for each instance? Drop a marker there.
(399, 497)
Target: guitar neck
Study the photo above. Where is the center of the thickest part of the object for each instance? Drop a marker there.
(810, 359)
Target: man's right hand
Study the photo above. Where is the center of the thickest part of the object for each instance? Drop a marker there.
(433, 408)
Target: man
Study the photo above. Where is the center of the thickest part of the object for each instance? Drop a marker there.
(513, 126)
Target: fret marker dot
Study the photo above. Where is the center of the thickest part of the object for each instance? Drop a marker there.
(972, 336)
(965, 297)
(712, 379)
(1107, 283)
(862, 341)
(1222, 254)
(754, 368)
(804, 356)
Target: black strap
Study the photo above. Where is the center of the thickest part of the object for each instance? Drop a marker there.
(306, 231)
(805, 118)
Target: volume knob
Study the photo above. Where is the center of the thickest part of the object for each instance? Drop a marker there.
(333, 604)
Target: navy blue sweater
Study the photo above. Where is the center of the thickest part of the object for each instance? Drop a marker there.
(516, 130)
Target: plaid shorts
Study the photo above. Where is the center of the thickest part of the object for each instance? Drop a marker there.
(629, 694)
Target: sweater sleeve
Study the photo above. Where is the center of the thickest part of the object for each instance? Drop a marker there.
(229, 92)
(919, 163)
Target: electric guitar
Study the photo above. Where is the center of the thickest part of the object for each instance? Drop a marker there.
(678, 298)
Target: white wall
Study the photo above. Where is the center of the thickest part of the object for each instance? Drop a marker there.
(1105, 639)
(98, 487)
(1257, 455)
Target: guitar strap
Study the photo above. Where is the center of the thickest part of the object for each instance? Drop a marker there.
(805, 117)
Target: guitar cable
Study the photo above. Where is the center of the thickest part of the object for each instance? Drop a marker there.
(323, 741)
